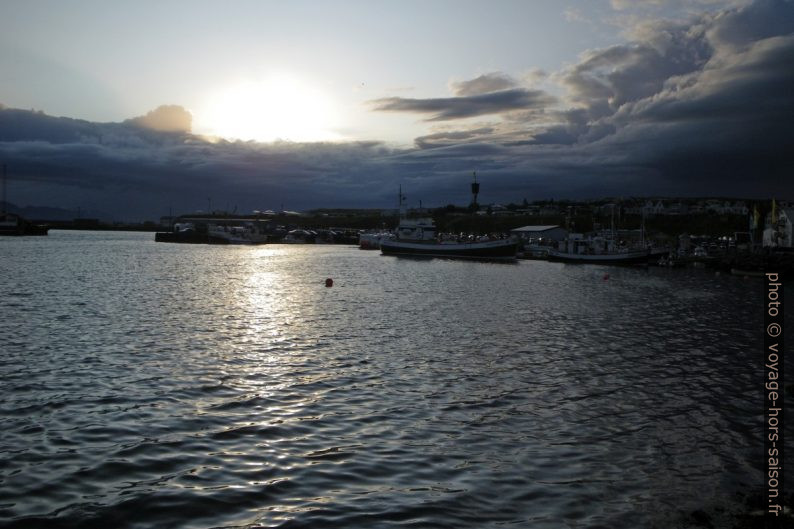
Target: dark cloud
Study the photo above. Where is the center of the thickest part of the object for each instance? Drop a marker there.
(449, 108)
(451, 137)
(132, 172)
(700, 107)
(696, 107)
(484, 84)
(606, 79)
(762, 20)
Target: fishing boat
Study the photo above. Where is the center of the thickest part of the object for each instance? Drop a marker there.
(603, 248)
(419, 238)
(202, 232)
(13, 224)
(580, 249)
(230, 234)
(373, 240)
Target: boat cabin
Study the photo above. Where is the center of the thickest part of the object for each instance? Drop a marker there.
(416, 230)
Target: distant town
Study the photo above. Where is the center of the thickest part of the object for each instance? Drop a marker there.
(662, 216)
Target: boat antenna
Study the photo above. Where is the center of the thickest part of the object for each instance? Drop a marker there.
(612, 221)
(475, 189)
(642, 228)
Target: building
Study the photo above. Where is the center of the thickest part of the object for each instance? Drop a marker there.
(538, 233)
(650, 209)
(726, 207)
(678, 208)
(780, 231)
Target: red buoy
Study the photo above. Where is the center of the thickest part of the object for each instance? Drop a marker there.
(606, 276)
(329, 282)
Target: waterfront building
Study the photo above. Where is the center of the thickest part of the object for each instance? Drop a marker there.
(536, 233)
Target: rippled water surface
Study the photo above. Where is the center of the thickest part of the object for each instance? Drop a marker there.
(158, 385)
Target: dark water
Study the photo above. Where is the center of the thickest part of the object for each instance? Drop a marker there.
(156, 385)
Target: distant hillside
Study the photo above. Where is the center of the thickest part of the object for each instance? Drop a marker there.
(48, 213)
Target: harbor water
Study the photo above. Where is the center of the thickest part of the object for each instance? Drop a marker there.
(150, 385)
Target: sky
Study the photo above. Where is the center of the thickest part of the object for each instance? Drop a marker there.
(138, 108)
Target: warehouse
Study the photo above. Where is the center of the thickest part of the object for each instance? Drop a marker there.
(538, 234)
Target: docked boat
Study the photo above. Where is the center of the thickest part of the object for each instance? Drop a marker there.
(215, 233)
(373, 240)
(245, 234)
(300, 236)
(602, 250)
(13, 224)
(417, 237)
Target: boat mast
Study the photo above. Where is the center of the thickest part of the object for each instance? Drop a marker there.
(642, 228)
(475, 190)
(4, 189)
(612, 221)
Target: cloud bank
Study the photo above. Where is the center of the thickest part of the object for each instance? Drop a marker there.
(447, 108)
(687, 107)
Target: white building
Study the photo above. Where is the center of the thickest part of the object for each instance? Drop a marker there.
(651, 209)
(536, 233)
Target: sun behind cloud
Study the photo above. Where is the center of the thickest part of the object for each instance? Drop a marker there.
(280, 107)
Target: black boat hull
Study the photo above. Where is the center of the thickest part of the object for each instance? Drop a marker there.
(633, 258)
(492, 250)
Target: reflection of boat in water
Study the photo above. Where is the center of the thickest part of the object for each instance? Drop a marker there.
(535, 251)
(747, 273)
(417, 237)
(668, 261)
(578, 249)
(13, 224)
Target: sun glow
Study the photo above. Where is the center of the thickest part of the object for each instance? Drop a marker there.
(277, 108)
